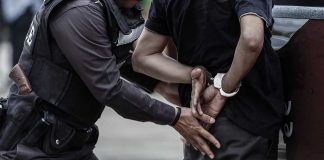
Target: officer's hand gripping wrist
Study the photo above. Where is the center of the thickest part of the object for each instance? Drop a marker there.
(200, 79)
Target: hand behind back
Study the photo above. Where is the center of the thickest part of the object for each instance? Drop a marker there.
(204, 101)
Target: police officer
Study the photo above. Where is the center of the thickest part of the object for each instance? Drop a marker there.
(71, 56)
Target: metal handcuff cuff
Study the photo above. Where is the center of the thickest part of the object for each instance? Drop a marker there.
(217, 82)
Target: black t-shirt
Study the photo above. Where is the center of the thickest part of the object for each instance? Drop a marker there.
(206, 33)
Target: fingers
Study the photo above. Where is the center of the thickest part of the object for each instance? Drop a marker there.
(205, 118)
(194, 105)
(209, 137)
(206, 126)
(189, 127)
(203, 147)
(198, 81)
(212, 109)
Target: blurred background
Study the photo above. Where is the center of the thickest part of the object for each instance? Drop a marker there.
(120, 139)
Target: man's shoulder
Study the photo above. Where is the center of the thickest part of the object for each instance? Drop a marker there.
(66, 6)
(75, 13)
(78, 3)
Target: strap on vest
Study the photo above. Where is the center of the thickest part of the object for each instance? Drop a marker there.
(50, 5)
(48, 80)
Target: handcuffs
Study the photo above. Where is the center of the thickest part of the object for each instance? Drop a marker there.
(217, 82)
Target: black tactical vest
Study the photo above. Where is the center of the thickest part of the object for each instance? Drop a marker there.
(61, 89)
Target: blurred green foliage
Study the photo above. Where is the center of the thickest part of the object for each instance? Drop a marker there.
(146, 3)
(146, 6)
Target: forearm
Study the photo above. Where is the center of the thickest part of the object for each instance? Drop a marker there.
(130, 103)
(148, 59)
(247, 52)
(243, 62)
(163, 68)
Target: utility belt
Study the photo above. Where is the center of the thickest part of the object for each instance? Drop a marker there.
(59, 136)
(24, 121)
(25, 115)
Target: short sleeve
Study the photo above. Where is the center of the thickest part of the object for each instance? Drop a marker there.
(156, 21)
(260, 8)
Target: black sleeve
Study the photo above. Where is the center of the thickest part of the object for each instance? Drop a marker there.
(157, 18)
(261, 8)
(81, 35)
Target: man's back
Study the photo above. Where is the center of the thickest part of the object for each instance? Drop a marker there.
(202, 30)
(207, 33)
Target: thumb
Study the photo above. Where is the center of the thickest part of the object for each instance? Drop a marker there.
(196, 73)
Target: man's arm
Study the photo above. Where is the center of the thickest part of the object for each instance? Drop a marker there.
(247, 51)
(148, 59)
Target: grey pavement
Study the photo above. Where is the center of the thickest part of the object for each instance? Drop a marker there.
(122, 139)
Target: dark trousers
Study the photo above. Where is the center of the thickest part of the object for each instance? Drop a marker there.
(237, 144)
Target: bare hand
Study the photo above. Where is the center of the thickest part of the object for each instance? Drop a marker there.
(189, 127)
(199, 79)
(212, 103)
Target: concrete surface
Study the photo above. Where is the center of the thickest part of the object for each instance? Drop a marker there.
(122, 139)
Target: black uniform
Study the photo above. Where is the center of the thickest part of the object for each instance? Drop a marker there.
(70, 57)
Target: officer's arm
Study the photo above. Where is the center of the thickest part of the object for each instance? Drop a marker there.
(247, 51)
(148, 59)
(81, 35)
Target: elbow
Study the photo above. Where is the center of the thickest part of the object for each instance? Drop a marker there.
(253, 42)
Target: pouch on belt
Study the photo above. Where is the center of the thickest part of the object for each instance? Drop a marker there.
(19, 119)
(61, 137)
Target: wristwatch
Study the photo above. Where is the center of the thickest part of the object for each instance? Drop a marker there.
(218, 84)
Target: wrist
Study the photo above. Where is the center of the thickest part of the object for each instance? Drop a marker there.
(177, 116)
(225, 86)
